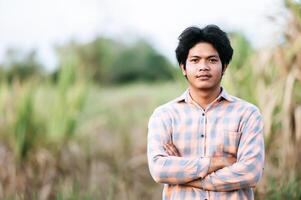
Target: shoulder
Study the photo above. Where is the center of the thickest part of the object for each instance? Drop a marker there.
(238, 104)
(247, 108)
(168, 108)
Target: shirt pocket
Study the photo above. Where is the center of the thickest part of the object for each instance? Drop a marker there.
(230, 142)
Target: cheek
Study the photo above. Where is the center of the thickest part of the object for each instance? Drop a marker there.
(217, 71)
(189, 74)
(190, 70)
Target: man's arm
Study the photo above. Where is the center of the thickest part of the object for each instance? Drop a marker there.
(172, 169)
(248, 169)
(165, 168)
(216, 162)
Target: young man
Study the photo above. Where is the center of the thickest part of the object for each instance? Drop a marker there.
(206, 144)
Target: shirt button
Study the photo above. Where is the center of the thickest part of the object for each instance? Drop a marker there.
(203, 114)
(202, 135)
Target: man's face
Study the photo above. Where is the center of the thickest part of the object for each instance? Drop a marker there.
(203, 67)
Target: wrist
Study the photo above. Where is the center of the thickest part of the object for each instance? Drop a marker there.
(214, 164)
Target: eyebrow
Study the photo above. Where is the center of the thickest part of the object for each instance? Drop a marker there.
(210, 56)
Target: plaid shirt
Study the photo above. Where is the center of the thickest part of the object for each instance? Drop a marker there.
(228, 126)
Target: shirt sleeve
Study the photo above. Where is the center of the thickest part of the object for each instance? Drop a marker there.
(248, 169)
(170, 169)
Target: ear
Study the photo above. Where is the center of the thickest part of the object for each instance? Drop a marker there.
(183, 70)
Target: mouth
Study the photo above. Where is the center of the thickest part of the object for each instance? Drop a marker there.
(203, 76)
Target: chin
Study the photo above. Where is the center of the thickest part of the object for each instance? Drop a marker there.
(204, 87)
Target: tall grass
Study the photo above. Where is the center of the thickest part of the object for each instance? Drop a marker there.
(101, 157)
(271, 78)
(25, 127)
(38, 120)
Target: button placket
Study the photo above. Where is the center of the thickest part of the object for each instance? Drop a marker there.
(203, 134)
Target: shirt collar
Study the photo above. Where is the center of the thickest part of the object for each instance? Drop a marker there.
(185, 97)
(224, 95)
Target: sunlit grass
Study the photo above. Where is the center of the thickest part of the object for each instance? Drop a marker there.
(106, 147)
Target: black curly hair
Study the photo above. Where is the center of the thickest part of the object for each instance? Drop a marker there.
(211, 34)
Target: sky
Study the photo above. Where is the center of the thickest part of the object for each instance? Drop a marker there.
(41, 24)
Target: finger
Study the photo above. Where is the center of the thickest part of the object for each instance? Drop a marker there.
(174, 150)
(177, 152)
(170, 151)
(166, 148)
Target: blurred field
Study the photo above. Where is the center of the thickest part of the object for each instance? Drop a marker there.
(103, 154)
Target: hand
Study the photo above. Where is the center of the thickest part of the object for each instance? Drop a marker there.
(227, 161)
(219, 162)
(171, 149)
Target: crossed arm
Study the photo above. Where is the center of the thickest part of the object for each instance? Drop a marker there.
(208, 173)
(216, 162)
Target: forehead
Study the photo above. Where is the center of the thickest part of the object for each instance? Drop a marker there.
(202, 49)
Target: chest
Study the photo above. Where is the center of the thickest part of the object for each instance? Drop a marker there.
(196, 133)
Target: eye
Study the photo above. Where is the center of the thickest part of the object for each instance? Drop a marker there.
(194, 60)
(213, 60)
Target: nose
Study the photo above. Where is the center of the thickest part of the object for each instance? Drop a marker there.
(203, 66)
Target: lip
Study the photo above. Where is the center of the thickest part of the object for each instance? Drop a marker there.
(203, 76)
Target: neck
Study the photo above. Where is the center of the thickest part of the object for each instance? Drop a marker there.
(204, 97)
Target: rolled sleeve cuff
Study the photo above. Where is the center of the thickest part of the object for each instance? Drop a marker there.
(203, 166)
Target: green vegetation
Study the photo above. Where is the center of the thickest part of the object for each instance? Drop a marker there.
(111, 62)
(102, 156)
